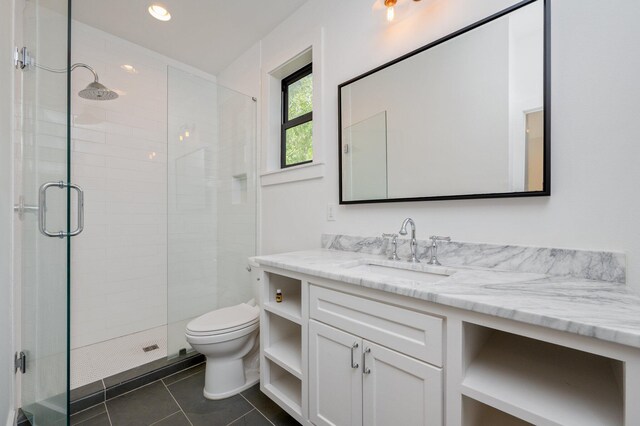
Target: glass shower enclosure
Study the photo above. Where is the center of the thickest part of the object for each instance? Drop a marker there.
(211, 199)
(210, 210)
(43, 201)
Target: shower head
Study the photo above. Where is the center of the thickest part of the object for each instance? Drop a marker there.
(97, 92)
(94, 91)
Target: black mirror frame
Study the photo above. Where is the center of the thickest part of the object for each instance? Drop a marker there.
(546, 190)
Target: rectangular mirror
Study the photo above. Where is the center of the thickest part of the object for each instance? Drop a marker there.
(464, 117)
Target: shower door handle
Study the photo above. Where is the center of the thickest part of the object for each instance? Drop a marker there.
(42, 209)
(80, 212)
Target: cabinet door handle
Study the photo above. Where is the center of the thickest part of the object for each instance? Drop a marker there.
(354, 347)
(365, 369)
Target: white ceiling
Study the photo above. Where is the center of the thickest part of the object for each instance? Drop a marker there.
(206, 34)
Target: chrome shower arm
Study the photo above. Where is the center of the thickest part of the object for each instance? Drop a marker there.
(73, 67)
(95, 91)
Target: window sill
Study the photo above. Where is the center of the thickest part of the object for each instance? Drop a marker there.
(292, 174)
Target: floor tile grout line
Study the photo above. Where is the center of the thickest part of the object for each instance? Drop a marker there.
(176, 401)
(256, 408)
(179, 380)
(128, 392)
(265, 417)
(106, 409)
(87, 409)
(164, 418)
(245, 414)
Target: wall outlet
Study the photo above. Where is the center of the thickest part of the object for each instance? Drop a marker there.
(331, 212)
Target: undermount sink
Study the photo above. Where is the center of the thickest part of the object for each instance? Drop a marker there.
(416, 272)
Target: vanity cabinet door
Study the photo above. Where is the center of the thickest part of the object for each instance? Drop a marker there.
(399, 390)
(335, 376)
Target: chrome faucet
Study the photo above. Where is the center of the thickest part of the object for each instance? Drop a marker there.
(414, 243)
(394, 245)
(434, 248)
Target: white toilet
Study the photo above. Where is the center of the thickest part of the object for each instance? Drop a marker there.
(225, 336)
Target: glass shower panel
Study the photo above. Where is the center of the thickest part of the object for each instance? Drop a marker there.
(42, 149)
(211, 200)
(236, 213)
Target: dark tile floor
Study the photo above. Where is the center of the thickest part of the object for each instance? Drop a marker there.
(177, 400)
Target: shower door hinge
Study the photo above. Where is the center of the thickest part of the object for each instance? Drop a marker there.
(22, 58)
(20, 362)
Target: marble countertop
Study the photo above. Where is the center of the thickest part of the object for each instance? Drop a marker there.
(603, 310)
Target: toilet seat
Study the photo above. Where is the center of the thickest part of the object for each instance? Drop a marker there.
(225, 320)
(211, 339)
(225, 336)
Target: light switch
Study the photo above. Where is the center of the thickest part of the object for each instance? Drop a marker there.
(331, 212)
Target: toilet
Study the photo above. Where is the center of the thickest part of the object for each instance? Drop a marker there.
(225, 337)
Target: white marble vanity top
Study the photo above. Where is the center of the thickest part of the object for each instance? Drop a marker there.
(604, 310)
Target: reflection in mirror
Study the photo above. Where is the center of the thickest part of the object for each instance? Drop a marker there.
(460, 118)
(534, 151)
(364, 158)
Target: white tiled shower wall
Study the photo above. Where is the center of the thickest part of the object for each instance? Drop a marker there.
(236, 196)
(119, 157)
(212, 222)
(145, 260)
(192, 204)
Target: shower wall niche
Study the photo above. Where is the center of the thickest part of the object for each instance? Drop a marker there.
(170, 211)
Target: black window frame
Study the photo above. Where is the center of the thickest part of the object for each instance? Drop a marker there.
(285, 122)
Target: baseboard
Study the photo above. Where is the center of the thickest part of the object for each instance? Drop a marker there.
(11, 418)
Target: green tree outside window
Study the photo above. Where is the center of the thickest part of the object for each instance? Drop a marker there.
(297, 124)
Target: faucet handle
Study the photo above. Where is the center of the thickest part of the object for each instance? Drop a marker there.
(394, 243)
(434, 248)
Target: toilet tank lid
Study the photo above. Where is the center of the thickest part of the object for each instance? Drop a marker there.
(222, 319)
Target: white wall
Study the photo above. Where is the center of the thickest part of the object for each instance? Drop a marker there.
(243, 75)
(125, 265)
(6, 210)
(119, 263)
(594, 108)
(236, 196)
(212, 190)
(192, 179)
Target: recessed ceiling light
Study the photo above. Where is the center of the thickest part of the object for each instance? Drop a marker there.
(129, 68)
(159, 12)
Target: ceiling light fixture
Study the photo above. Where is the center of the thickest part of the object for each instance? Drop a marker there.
(391, 11)
(159, 12)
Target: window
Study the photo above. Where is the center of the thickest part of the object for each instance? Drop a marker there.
(297, 118)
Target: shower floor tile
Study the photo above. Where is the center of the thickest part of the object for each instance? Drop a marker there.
(104, 359)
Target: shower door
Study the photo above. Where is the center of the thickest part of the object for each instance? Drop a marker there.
(42, 206)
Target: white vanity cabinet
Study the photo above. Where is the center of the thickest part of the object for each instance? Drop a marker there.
(379, 353)
(334, 353)
(353, 381)
(335, 376)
